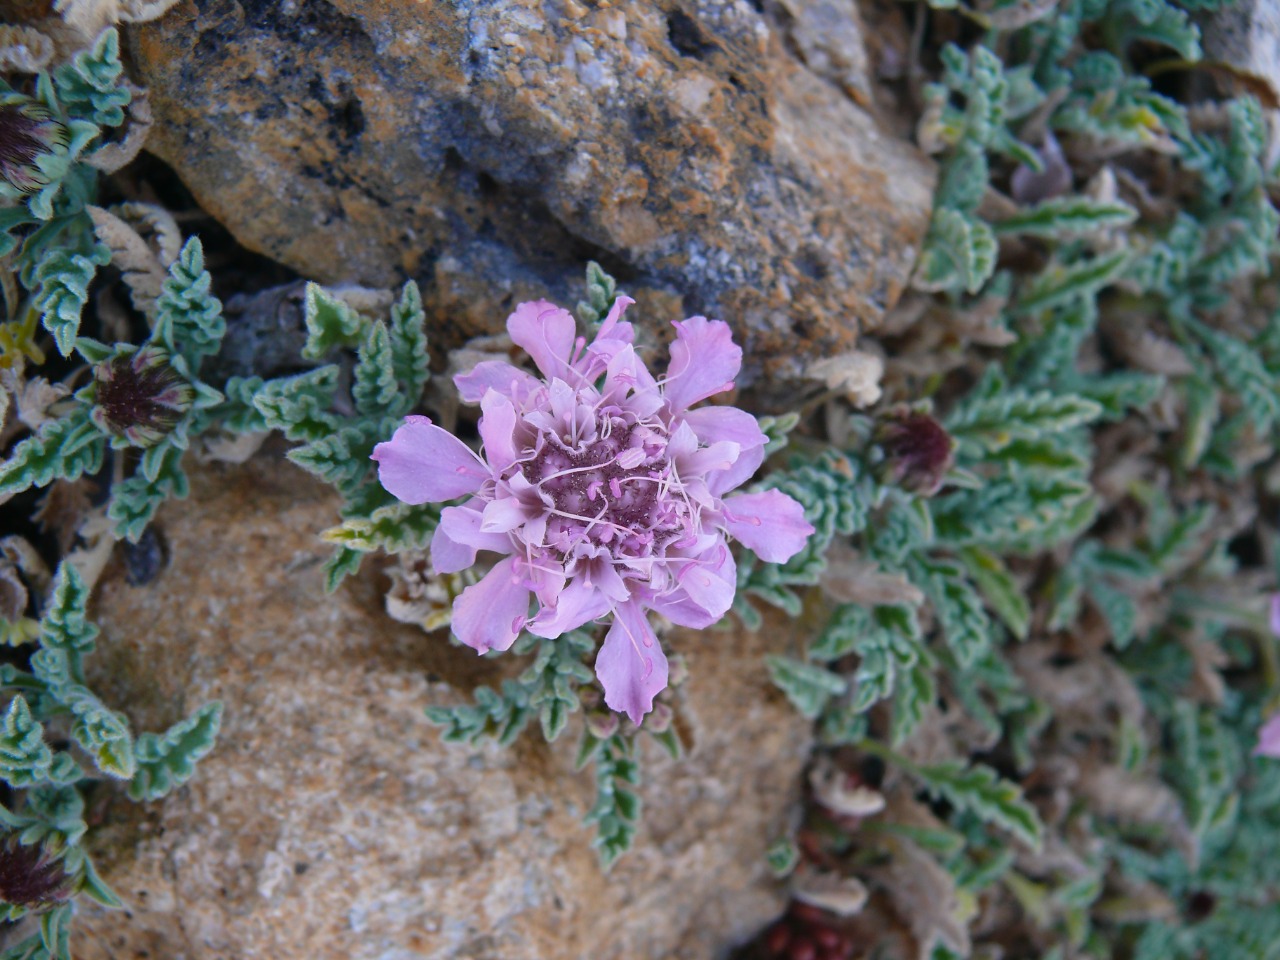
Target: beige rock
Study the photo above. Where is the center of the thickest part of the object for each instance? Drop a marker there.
(332, 822)
(489, 149)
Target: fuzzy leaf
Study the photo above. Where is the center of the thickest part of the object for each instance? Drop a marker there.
(808, 686)
(168, 760)
(24, 756)
(330, 323)
(393, 528)
(409, 349)
(90, 87)
(65, 448)
(62, 290)
(995, 422)
(134, 501)
(980, 790)
(1065, 216)
(1061, 284)
(299, 405)
(999, 589)
(188, 319)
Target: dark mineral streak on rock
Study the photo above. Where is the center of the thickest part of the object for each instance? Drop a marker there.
(488, 149)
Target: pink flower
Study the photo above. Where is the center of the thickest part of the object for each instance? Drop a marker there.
(603, 490)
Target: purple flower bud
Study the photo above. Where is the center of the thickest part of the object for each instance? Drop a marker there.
(30, 877)
(27, 132)
(917, 451)
(138, 396)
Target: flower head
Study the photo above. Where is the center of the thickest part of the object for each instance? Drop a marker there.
(917, 451)
(139, 397)
(30, 877)
(603, 490)
(28, 132)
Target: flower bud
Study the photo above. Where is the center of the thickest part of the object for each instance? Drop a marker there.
(602, 724)
(138, 396)
(916, 450)
(659, 720)
(30, 877)
(28, 132)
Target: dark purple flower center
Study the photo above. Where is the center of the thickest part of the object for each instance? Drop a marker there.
(139, 396)
(610, 483)
(28, 878)
(26, 132)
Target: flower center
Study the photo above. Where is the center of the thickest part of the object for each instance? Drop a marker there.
(606, 487)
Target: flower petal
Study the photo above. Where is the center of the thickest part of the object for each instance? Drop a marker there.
(722, 481)
(1275, 614)
(726, 423)
(578, 603)
(490, 614)
(1269, 738)
(546, 333)
(612, 328)
(458, 537)
(422, 463)
(503, 514)
(711, 581)
(704, 361)
(770, 523)
(631, 665)
(497, 422)
(494, 375)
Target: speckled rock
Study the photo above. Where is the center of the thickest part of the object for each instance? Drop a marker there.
(489, 148)
(332, 822)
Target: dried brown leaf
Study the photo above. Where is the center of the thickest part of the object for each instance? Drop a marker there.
(117, 154)
(24, 49)
(142, 270)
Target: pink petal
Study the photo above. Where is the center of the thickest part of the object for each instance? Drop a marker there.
(743, 469)
(577, 604)
(704, 361)
(458, 537)
(612, 329)
(497, 423)
(631, 665)
(726, 423)
(503, 514)
(546, 333)
(770, 523)
(1275, 614)
(490, 614)
(494, 375)
(1269, 738)
(711, 581)
(422, 463)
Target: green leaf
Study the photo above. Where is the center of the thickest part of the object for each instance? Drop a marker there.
(66, 449)
(959, 253)
(1060, 284)
(168, 760)
(916, 691)
(1118, 609)
(299, 405)
(134, 501)
(102, 732)
(995, 422)
(25, 758)
(601, 291)
(980, 790)
(188, 318)
(393, 528)
(64, 625)
(343, 563)
(808, 686)
(62, 290)
(91, 87)
(965, 623)
(409, 349)
(1066, 216)
(999, 589)
(330, 323)
(375, 389)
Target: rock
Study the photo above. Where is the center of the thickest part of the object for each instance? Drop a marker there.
(332, 822)
(489, 149)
